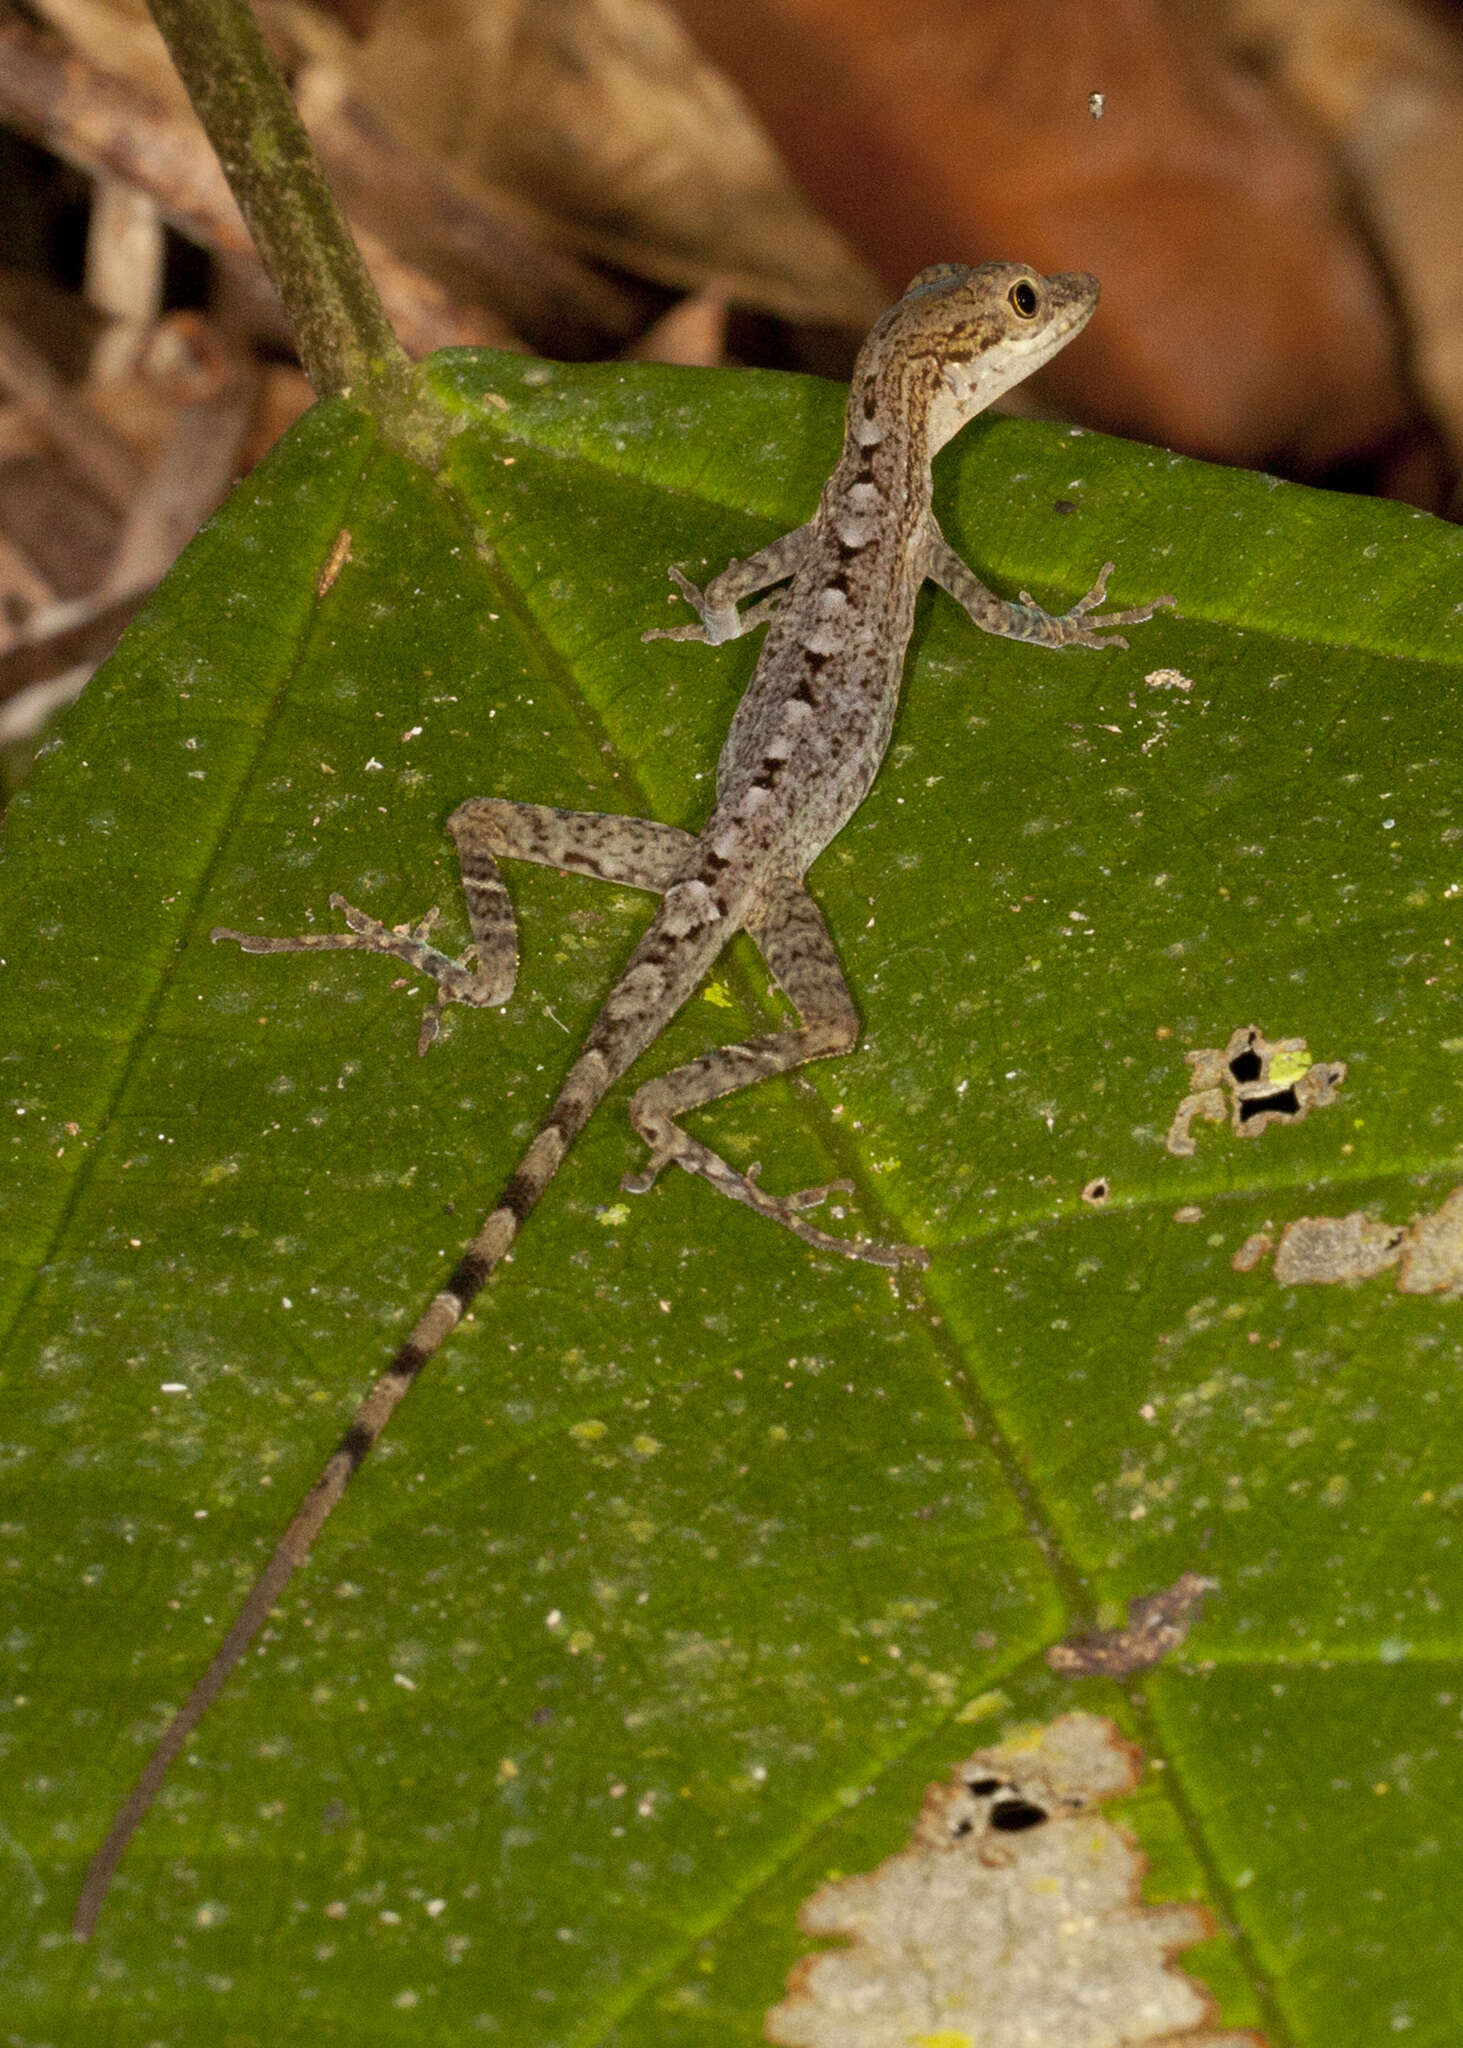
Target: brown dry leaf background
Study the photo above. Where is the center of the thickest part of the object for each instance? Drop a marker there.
(1268, 191)
(1013, 1920)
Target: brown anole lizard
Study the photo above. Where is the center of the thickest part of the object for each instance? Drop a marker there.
(803, 749)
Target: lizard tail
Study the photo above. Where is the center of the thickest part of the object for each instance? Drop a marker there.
(584, 1088)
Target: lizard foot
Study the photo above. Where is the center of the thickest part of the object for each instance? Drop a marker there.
(785, 1209)
(458, 981)
(1077, 629)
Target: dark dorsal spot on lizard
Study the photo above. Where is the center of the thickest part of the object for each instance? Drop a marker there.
(871, 399)
(1246, 1065)
(802, 692)
(982, 1788)
(1013, 1815)
(517, 1197)
(961, 1828)
(409, 1361)
(839, 582)
(471, 1270)
(848, 549)
(354, 1445)
(813, 661)
(1284, 1102)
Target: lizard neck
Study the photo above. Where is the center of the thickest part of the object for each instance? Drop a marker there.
(881, 485)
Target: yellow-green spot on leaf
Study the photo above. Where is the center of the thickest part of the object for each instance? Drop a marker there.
(645, 1446)
(616, 1214)
(984, 1705)
(1287, 1067)
(212, 1175)
(589, 1431)
(715, 992)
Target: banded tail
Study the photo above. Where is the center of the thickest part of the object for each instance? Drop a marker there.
(585, 1086)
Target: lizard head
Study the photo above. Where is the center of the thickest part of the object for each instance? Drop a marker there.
(960, 336)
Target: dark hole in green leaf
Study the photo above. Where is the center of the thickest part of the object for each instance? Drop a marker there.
(1282, 1103)
(1245, 1066)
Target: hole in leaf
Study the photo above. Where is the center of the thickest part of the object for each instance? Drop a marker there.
(1284, 1102)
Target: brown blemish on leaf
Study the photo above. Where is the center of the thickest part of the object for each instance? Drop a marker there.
(1096, 1192)
(1157, 1623)
(1250, 1083)
(1256, 1248)
(1322, 1250)
(1013, 1920)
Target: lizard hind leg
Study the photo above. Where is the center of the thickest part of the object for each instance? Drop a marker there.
(484, 974)
(634, 852)
(794, 942)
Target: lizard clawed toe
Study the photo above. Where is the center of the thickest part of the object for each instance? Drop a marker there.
(802, 1198)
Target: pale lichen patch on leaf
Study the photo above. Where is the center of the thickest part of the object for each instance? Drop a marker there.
(1013, 1920)
(1324, 1250)
(1432, 1251)
(1321, 1249)
(1250, 1083)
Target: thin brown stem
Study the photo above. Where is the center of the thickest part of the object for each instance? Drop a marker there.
(345, 341)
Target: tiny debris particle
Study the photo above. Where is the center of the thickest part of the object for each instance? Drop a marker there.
(1157, 1623)
(1168, 679)
(1013, 1918)
(1250, 1083)
(1189, 1213)
(335, 561)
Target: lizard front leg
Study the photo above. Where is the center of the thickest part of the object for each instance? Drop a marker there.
(793, 940)
(1025, 620)
(635, 852)
(716, 605)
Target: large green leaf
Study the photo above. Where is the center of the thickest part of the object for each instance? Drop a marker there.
(697, 1555)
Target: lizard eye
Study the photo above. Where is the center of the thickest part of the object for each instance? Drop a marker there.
(1023, 299)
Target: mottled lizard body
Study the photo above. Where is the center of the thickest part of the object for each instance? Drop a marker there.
(802, 751)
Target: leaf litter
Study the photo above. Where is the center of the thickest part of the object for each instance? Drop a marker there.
(1157, 1623)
